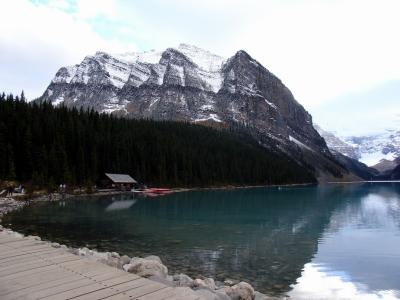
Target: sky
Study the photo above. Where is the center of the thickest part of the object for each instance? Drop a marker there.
(335, 56)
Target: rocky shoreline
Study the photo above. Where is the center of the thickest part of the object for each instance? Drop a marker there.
(150, 267)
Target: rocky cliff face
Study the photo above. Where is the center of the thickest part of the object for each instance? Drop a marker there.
(190, 84)
(336, 144)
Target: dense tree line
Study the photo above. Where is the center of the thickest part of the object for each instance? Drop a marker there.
(49, 145)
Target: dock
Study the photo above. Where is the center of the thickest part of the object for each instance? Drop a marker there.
(33, 269)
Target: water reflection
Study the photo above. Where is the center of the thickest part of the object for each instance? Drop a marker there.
(358, 256)
(120, 205)
(277, 239)
(317, 284)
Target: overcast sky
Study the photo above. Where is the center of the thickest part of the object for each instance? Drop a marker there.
(335, 56)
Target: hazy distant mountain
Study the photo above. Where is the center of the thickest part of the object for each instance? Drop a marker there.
(378, 150)
(191, 84)
(385, 165)
(373, 148)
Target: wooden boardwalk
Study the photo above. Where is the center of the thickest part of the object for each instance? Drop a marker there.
(31, 269)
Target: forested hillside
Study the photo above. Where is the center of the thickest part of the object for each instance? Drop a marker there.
(46, 146)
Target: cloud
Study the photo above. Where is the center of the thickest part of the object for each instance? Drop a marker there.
(320, 49)
(37, 39)
(371, 111)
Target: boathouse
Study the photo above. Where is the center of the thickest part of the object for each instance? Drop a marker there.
(118, 181)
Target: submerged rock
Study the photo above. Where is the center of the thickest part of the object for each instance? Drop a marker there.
(146, 267)
(240, 291)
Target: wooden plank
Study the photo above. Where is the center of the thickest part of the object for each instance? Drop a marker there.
(140, 291)
(52, 291)
(40, 251)
(111, 290)
(82, 265)
(30, 257)
(33, 265)
(90, 271)
(159, 295)
(14, 242)
(37, 287)
(24, 287)
(9, 254)
(31, 269)
(72, 290)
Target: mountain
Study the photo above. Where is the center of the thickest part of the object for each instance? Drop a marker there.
(193, 85)
(378, 151)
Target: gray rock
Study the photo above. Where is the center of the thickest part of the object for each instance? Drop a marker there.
(114, 254)
(182, 280)
(240, 291)
(204, 283)
(112, 262)
(211, 295)
(230, 282)
(73, 251)
(146, 267)
(154, 257)
(125, 259)
(55, 245)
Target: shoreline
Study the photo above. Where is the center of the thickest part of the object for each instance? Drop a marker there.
(150, 267)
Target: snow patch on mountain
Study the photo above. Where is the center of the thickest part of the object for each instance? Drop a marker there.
(58, 101)
(297, 142)
(204, 59)
(213, 117)
(149, 57)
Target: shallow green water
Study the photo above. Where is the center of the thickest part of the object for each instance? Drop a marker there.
(335, 242)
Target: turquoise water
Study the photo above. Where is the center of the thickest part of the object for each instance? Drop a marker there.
(332, 242)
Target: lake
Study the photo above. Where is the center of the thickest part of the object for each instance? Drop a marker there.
(315, 242)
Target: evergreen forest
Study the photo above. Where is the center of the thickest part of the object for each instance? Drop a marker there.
(44, 146)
